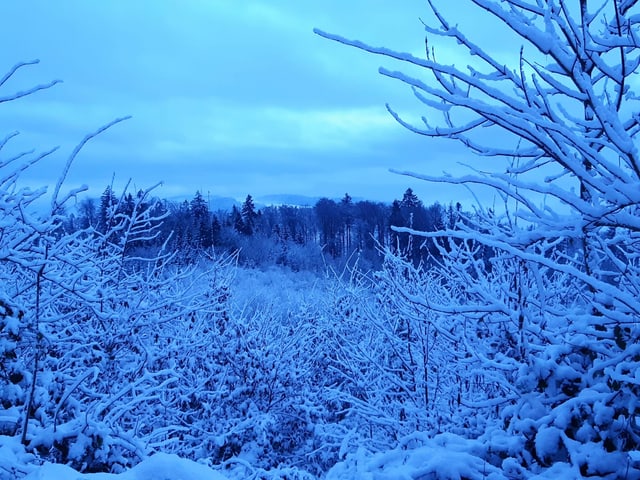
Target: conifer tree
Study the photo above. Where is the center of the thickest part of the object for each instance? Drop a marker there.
(235, 220)
(107, 211)
(249, 216)
(201, 226)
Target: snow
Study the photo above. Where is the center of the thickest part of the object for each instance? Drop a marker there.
(548, 443)
(15, 463)
(446, 457)
(161, 466)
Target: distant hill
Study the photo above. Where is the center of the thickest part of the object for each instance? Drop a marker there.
(287, 199)
(222, 203)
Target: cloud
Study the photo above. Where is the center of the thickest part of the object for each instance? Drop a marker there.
(302, 129)
(227, 97)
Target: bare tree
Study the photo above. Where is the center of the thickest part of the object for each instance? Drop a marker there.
(566, 245)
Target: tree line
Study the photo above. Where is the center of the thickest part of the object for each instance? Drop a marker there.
(294, 236)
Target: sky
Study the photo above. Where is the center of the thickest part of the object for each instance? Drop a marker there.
(226, 97)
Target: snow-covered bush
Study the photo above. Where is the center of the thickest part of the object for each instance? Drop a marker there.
(403, 366)
(85, 319)
(14, 373)
(269, 405)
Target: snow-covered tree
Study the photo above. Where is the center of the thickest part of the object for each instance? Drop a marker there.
(108, 205)
(550, 282)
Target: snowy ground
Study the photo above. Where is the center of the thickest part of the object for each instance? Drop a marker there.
(15, 463)
(444, 457)
(159, 467)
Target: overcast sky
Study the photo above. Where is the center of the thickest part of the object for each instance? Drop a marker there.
(227, 97)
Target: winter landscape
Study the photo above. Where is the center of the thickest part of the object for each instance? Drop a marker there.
(143, 337)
